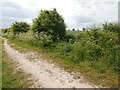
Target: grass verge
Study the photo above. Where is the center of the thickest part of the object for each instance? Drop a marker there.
(12, 78)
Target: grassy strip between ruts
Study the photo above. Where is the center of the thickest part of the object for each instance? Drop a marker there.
(108, 78)
(12, 78)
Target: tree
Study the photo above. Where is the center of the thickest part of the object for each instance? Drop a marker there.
(20, 27)
(84, 29)
(51, 22)
(73, 29)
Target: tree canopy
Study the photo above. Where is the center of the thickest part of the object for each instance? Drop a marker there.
(51, 22)
(20, 27)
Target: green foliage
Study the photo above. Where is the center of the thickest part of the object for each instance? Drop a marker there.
(94, 44)
(38, 39)
(51, 22)
(66, 50)
(83, 29)
(98, 66)
(20, 27)
(112, 27)
(103, 47)
(70, 38)
(44, 39)
(6, 30)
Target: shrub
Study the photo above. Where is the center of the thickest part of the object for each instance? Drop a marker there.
(70, 38)
(37, 39)
(66, 50)
(51, 22)
(112, 27)
(44, 39)
(80, 54)
(20, 27)
(4, 30)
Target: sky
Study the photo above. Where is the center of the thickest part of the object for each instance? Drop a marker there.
(76, 13)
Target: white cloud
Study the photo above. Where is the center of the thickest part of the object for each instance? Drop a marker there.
(77, 13)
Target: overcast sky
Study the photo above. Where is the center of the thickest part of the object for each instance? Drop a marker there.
(77, 13)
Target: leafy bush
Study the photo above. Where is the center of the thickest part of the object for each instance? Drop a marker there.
(89, 47)
(4, 30)
(80, 54)
(44, 39)
(70, 38)
(112, 27)
(51, 22)
(20, 27)
(66, 50)
(37, 39)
